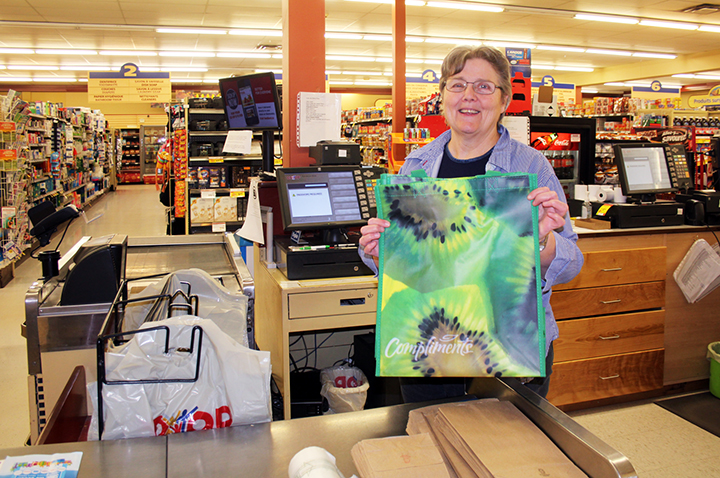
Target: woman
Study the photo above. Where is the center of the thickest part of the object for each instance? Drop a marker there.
(476, 91)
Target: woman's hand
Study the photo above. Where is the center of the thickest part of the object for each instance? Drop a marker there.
(370, 239)
(551, 210)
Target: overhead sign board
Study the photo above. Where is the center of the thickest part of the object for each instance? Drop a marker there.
(129, 85)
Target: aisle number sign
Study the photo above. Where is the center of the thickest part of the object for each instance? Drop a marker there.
(425, 85)
(129, 85)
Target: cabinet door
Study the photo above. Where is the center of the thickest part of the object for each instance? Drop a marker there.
(567, 304)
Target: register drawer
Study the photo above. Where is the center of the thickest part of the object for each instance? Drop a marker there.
(593, 379)
(609, 335)
(328, 303)
(568, 304)
(619, 267)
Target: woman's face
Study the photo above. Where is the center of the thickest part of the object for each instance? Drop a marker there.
(469, 113)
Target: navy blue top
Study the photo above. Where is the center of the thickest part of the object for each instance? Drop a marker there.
(462, 168)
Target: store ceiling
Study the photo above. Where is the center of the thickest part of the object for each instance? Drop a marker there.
(130, 25)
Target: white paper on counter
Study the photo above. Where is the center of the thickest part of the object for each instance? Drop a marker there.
(238, 142)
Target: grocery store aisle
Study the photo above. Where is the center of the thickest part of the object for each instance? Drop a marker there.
(134, 210)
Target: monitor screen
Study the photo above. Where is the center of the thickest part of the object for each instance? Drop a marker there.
(251, 102)
(643, 168)
(322, 197)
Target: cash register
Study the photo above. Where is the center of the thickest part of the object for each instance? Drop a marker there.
(319, 205)
(646, 170)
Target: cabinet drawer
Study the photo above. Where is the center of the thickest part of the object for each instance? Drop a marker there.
(609, 335)
(594, 379)
(568, 304)
(625, 266)
(341, 302)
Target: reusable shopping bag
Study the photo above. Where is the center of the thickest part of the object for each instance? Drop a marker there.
(459, 278)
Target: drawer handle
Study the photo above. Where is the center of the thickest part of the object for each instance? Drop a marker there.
(612, 337)
(615, 301)
(611, 270)
(610, 377)
(358, 301)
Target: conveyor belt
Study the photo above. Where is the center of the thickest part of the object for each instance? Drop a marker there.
(143, 261)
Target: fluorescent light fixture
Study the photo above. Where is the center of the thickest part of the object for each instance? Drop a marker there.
(54, 79)
(389, 2)
(256, 33)
(374, 37)
(350, 58)
(589, 90)
(197, 54)
(19, 51)
(239, 54)
(414, 61)
(333, 72)
(32, 67)
(466, 6)
(128, 53)
(343, 36)
(210, 80)
(571, 49)
(575, 68)
(415, 3)
(433, 62)
(684, 75)
(66, 52)
(363, 73)
(86, 68)
(146, 68)
(193, 31)
(502, 44)
(677, 25)
(265, 70)
(384, 59)
(709, 28)
(16, 79)
(448, 41)
(372, 83)
(277, 56)
(616, 84)
(341, 82)
(414, 39)
(183, 69)
(82, 80)
(542, 67)
(597, 51)
(665, 56)
(607, 18)
(707, 77)
(413, 75)
(638, 84)
(2, 67)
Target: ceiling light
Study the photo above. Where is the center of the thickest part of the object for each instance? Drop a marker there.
(616, 84)
(210, 80)
(542, 67)
(709, 28)
(258, 33)
(277, 56)
(414, 61)
(561, 48)
(239, 54)
(343, 36)
(589, 90)
(15, 79)
(19, 51)
(265, 70)
(384, 59)
(448, 41)
(607, 18)
(333, 72)
(684, 75)
(608, 52)
(201, 54)
(707, 77)
(66, 52)
(82, 80)
(127, 53)
(413, 75)
(363, 73)
(86, 68)
(466, 6)
(32, 67)
(661, 24)
(193, 31)
(433, 62)
(415, 3)
(575, 68)
(502, 44)
(665, 56)
(378, 37)
(183, 69)
(414, 39)
(2, 67)
(54, 79)
(373, 1)
(349, 58)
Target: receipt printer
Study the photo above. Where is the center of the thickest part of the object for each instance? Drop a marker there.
(336, 152)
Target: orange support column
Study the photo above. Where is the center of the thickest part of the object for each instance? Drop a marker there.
(398, 89)
(303, 68)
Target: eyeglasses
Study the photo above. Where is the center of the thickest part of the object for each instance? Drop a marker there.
(481, 87)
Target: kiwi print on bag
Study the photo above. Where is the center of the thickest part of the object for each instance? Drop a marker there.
(459, 284)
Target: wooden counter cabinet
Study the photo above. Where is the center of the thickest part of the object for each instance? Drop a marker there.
(611, 320)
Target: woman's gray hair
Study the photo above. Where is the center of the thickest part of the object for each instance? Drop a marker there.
(455, 61)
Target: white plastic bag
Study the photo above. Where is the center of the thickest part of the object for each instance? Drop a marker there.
(345, 388)
(233, 387)
(217, 303)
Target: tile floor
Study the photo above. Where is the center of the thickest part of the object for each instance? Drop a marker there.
(658, 443)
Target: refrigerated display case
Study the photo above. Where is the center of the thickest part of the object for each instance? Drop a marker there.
(569, 146)
(151, 138)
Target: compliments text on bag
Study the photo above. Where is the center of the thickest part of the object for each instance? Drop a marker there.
(446, 345)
